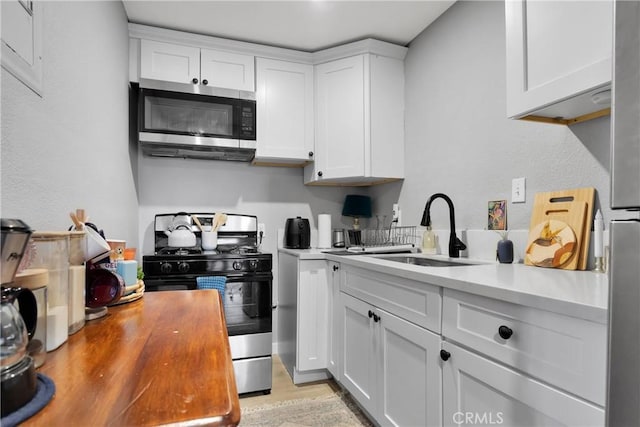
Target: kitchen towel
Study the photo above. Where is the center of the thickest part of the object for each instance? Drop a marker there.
(212, 282)
(324, 231)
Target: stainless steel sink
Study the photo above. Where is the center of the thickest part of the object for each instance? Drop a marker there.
(426, 262)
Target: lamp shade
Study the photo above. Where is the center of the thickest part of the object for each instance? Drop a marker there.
(357, 206)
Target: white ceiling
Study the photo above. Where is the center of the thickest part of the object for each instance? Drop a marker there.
(307, 25)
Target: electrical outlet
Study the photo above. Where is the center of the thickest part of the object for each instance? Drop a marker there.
(518, 190)
(261, 230)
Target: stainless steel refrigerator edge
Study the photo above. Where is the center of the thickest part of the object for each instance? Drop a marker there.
(623, 372)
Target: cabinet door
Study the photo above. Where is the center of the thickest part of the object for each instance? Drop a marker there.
(556, 50)
(313, 316)
(228, 70)
(335, 332)
(358, 370)
(169, 62)
(479, 391)
(340, 118)
(410, 379)
(284, 99)
(287, 310)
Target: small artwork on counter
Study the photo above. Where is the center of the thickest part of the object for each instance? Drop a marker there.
(497, 215)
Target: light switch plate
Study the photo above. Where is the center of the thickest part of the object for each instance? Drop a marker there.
(518, 190)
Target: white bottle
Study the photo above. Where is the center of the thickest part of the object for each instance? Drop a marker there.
(429, 241)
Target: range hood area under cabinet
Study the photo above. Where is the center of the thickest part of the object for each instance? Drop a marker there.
(558, 56)
(289, 105)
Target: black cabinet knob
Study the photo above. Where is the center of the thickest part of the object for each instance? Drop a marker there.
(194, 81)
(444, 355)
(505, 332)
(319, 173)
(205, 82)
(310, 153)
(370, 314)
(376, 318)
(335, 268)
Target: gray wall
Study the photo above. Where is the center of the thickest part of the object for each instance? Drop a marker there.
(272, 193)
(69, 148)
(459, 141)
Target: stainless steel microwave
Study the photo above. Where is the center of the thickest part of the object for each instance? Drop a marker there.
(196, 121)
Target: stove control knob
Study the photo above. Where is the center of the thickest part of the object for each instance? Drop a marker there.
(183, 267)
(253, 264)
(237, 265)
(165, 267)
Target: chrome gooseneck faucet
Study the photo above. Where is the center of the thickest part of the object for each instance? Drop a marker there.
(455, 245)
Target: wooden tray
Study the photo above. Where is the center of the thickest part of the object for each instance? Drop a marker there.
(574, 207)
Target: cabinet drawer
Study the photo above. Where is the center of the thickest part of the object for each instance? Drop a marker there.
(564, 351)
(417, 302)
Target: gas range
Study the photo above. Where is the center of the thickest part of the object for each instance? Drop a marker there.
(246, 291)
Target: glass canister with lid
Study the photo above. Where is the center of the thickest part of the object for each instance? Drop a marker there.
(52, 253)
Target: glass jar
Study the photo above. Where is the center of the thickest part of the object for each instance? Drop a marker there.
(52, 253)
(36, 280)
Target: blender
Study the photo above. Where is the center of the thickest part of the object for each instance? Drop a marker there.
(17, 370)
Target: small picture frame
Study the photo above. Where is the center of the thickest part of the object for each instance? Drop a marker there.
(497, 215)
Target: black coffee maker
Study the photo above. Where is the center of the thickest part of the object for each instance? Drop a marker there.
(17, 370)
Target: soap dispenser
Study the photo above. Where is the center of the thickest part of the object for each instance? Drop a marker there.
(429, 241)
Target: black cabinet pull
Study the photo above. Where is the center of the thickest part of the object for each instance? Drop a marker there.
(370, 314)
(335, 268)
(444, 355)
(194, 81)
(205, 82)
(319, 173)
(376, 318)
(505, 332)
(310, 153)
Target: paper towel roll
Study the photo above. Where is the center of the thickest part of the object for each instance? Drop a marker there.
(324, 231)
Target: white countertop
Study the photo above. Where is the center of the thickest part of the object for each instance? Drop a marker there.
(581, 294)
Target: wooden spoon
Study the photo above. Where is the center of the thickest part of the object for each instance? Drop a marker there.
(218, 221)
(197, 221)
(76, 222)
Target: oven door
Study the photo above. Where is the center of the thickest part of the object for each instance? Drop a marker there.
(247, 304)
(247, 299)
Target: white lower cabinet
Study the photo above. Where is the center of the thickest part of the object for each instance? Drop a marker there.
(335, 322)
(390, 366)
(479, 391)
(508, 364)
(303, 317)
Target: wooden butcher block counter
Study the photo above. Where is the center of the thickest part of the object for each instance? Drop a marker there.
(163, 359)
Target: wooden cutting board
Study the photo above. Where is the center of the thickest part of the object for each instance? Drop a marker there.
(573, 207)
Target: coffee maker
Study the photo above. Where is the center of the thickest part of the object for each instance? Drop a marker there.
(17, 370)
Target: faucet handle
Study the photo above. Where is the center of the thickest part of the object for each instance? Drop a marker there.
(460, 244)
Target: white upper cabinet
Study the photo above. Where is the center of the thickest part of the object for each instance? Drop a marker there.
(558, 57)
(359, 121)
(189, 64)
(170, 62)
(340, 118)
(284, 97)
(226, 69)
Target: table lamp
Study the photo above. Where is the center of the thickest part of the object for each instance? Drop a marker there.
(357, 207)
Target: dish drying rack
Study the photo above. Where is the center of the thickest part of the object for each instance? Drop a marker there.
(382, 240)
